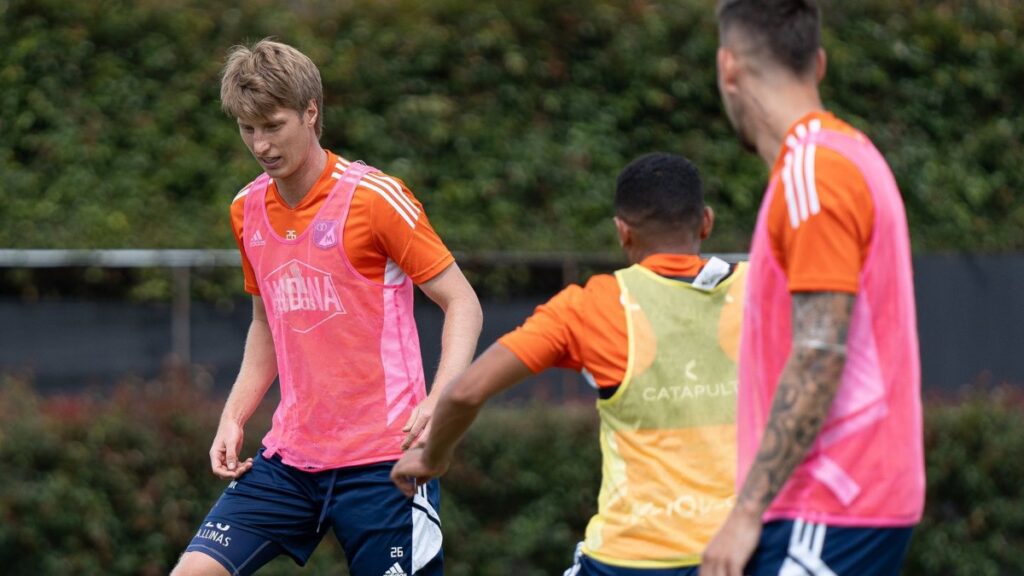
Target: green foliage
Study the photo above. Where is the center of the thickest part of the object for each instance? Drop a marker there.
(509, 119)
(117, 483)
(522, 488)
(931, 82)
(101, 487)
(974, 522)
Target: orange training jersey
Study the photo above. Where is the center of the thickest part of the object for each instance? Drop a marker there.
(584, 327)
(386, 233)
(663, 352)
(820, 227)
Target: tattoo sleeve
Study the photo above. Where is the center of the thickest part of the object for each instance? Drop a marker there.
(804, 395)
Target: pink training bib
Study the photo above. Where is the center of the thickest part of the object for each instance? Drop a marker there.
(348, 353)
(867, 466)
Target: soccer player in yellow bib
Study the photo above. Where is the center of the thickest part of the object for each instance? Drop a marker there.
(659, 342)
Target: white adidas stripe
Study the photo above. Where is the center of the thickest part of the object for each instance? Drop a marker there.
(242, 194)
(813, 204)
(388, 189)
(787, 186)
(806, 544)
(386, 181)
(427, 538)
(395, 189)
(798, 179)
(798, 176)
(410, 220)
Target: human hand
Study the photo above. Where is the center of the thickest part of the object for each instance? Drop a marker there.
(418, 425)
(729, 551)
(224, 452)
(412, 469)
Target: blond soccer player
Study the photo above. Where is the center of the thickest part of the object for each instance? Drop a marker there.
(331, 251)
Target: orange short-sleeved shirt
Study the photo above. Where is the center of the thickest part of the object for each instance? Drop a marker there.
(386, 226)
(584, 327)
(820, 219)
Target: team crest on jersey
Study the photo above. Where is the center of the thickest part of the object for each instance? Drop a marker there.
(302, 295)
(325, 233)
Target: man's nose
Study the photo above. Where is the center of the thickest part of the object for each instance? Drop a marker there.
(260, 144)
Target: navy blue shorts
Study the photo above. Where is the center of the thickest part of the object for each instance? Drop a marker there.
(799, 548)
(275, 509)
(584, 565)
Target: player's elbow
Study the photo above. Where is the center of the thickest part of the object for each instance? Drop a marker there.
(466, 394)
(471, 312)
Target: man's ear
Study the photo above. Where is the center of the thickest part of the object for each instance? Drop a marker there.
(820, 65)
(728, 70)
(707, 222)
(625, 232)
(312, 113)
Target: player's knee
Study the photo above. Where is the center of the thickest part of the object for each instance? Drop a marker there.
(198, 564)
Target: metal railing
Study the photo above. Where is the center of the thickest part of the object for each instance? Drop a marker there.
(181, 262)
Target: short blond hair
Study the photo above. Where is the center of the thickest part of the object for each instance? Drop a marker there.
(269, 75)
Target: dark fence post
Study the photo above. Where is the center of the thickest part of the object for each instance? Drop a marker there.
(181, 315)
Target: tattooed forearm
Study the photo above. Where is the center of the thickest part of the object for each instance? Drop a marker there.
(806, 389)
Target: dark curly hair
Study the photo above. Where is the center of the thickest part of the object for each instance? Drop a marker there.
(660, 192)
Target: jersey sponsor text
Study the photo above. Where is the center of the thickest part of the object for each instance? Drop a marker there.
(304, 294)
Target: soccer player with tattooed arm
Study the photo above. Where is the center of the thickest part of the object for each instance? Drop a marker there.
(831, 465)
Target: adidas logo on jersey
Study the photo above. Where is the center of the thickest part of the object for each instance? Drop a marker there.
(395, 570)
(257, 239)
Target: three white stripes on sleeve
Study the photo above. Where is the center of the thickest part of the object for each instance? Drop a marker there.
(388, 189)
(798, 181)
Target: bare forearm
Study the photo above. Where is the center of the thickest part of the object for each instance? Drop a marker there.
(462, 323)
(463, 319)
(452, 418)
(804, 395)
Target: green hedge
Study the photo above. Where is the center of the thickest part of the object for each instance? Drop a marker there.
(509, 119)
(118, 485)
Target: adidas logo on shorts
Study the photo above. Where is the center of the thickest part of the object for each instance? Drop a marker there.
(395, 570)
